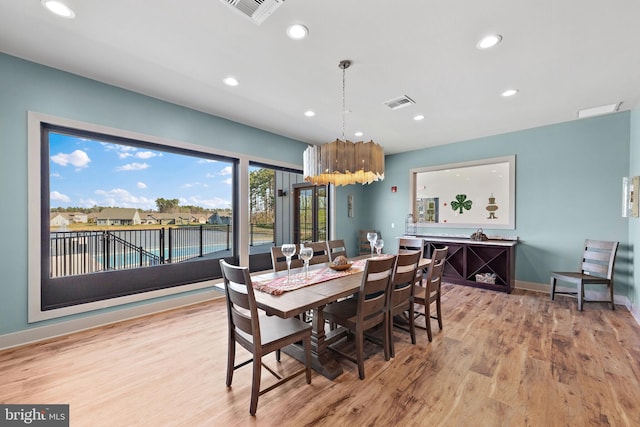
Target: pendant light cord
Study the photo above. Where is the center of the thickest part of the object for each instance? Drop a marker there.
(344, 64)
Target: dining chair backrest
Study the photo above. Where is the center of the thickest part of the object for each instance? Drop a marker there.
(436, 269)
(412, 244)
(337, 248)
(364, 246)
(279, 261)
(242, 310)
(320, 252)
(403, 278)
(598, 258)
(374, 290)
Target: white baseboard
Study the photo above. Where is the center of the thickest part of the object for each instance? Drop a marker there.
(618, 299)
(76, 325)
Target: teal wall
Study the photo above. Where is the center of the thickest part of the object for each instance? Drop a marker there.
(634, 223)
(568, 188)
(27, 86)
(568, 176)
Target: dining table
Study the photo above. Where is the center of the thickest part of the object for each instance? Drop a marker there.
(311, 292)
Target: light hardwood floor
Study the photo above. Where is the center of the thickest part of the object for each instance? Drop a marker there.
(501, 360)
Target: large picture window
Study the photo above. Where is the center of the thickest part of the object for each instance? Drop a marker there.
(121, 216)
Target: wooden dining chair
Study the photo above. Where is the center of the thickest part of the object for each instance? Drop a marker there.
(429, 290)
(364, 247)
(596, 268)
(411, 244)
(320, 252)
(260, 335)
(369, 309)
(279, 261)
(401, 293)
(336, 248)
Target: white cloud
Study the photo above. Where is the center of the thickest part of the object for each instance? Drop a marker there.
(122, 151)
(226, 171)
(207, 161)
(132, 167)
(124, 199)
(214, 203)
(227, 181)
(56, 175)
(59, 197)
(147, 154)
(88, 203)
(141, 185)
(78, 158)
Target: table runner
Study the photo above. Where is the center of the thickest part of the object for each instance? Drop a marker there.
(279, 285)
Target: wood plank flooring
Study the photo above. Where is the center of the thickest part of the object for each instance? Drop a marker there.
(501, 360)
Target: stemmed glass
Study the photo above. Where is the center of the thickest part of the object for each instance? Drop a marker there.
(305, 255)
(379, 245)
(288, 250)
(372, 237)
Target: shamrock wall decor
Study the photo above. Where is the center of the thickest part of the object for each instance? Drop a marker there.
(461, 203)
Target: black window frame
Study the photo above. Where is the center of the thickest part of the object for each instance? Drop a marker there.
(60, 292)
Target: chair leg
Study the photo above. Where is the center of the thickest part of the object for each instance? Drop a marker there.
(392, 350)
(255, 384)
(580, 295)
(553, 288)
(439, 310)
(613, 306)
(231, 358)
(360, 353)
(386, 335)
(412, 325)
(278, 354)
(427, 319)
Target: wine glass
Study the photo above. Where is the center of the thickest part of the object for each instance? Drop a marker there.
(372, 237)
(305, 255)
(379, 245)
(288, 250)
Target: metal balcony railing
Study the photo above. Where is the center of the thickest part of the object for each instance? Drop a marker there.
(83, 252)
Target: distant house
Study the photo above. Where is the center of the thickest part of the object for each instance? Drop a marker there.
(149, 218)
(78, 217)
(199, 218)
(118, 216)
(58, 219)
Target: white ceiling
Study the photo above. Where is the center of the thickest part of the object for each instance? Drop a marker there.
(563, 55)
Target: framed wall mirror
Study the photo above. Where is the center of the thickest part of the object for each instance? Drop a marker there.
(472, 194)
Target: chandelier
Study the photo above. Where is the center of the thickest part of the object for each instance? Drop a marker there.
(343, 162)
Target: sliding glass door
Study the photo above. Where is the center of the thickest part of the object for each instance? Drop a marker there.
(311, 213)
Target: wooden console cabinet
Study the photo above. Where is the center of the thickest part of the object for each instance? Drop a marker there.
(466, 258)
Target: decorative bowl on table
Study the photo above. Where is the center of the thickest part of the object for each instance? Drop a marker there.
(341, 263)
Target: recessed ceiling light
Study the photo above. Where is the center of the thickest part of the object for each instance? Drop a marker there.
(358, 133)
(509, 92)
(309, 113)
(297, 31)
(596, 111)
(231, 81)
(489, 41)
(418, 117)
(59, 8)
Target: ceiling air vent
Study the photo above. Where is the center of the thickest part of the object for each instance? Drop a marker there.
(256, 10)
(402, 101)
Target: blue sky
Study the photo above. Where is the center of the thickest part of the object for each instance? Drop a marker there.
(85, 173)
